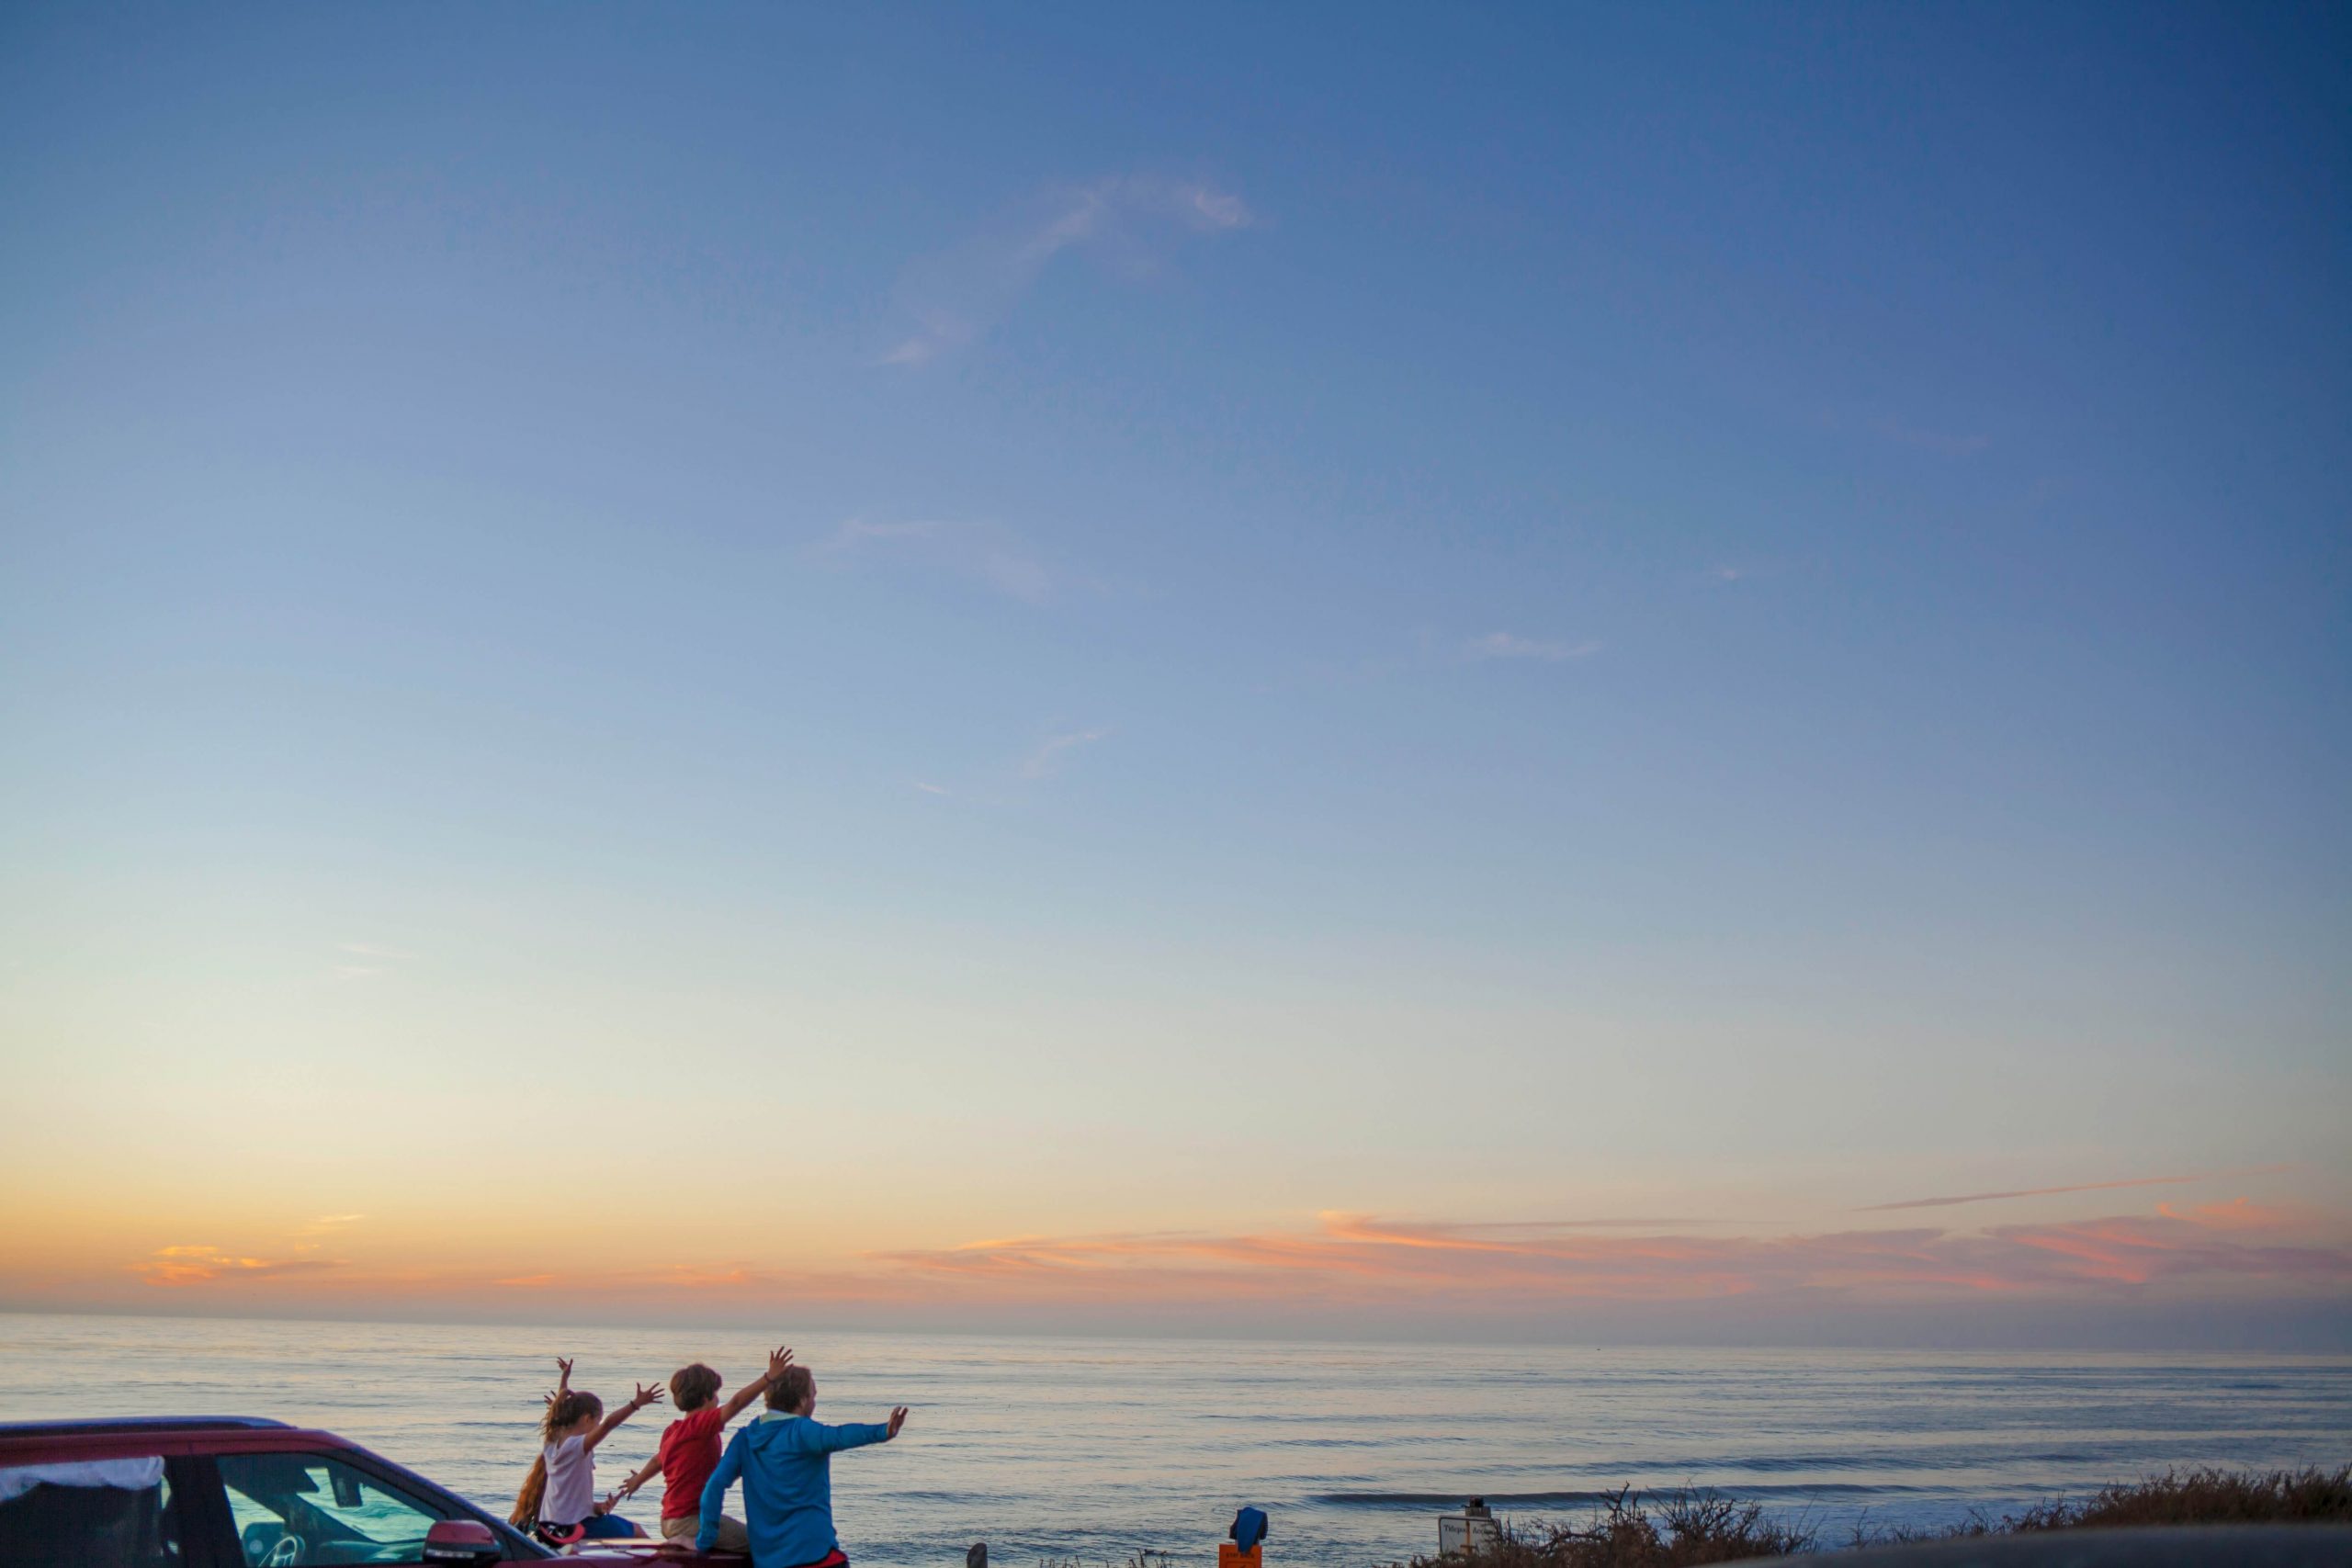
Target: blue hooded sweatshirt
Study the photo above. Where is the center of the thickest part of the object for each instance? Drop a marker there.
(787, 1487)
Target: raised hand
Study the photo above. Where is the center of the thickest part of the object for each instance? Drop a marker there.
(898, 1419)
(563, 1367)
(778, 1360)
(646, 1397)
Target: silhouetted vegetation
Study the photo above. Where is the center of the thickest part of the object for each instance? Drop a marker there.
(1628, 1531)
(1680, 1528)
(2196, 1497)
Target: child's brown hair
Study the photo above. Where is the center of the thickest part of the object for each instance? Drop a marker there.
(693, 1387)
(567, 1408)
(525, 1512)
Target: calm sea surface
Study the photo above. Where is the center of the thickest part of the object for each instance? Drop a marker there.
(1096, 1449)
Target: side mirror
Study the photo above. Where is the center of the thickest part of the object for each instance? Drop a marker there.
(461, 1540)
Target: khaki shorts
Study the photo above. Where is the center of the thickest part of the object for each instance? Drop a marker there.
(732, 1536)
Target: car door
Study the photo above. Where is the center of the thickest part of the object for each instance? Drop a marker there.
(309, 1507)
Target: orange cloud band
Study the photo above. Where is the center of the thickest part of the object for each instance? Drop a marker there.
(1357, 1259)
(1442, 1259)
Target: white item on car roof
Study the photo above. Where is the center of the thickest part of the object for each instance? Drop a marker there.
(129, 1474)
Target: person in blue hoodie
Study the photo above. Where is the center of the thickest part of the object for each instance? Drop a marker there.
(784, 1459)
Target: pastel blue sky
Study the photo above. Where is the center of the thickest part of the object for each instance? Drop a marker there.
(1073, 623)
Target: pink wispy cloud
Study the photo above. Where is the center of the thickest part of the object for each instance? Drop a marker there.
(199, 1265)
(2240, 1215)
(1351, 1252)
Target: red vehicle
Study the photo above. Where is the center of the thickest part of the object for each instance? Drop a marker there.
(238, 1492)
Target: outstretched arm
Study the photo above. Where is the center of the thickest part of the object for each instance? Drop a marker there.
(563, 1379)
(627, 1488)
(644, 1397)
(856, 1433)
(714, 1490)
(778, 1358)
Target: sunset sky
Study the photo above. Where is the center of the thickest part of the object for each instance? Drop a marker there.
(1667, 672)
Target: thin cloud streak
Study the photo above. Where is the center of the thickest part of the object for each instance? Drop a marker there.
(1539, 1226)
(1046, 760)
(1946, 443)
(1504, 645)
(326, 1224)
(1901, 433)
(980, 552)
(2079, 1187)
(954, 298)
(2237, 1214)
(375, 959)
(199, 1263)
(1436, 649)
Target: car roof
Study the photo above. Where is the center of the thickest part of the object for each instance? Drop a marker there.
(58, 1442)
(108, 1427)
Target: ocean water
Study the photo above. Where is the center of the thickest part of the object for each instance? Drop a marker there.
(1100, 1450)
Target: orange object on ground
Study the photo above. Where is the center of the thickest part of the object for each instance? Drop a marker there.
(1231, 1556)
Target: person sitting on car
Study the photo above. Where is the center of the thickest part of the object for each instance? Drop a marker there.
(690, 1449)
(785, 1462)
(564, 1480)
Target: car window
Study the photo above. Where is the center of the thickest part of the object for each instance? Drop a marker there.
(109, 1514)
(293, 1510)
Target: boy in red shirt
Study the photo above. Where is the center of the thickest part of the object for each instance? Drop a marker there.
(690, 1447)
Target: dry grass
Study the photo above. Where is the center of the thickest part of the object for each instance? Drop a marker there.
(1692, 1528)
(2214, 1498)
(2193, 1497)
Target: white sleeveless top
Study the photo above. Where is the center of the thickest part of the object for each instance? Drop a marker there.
(572, 1482)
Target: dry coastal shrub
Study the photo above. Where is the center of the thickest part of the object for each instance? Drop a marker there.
(1693, 1528)
(1687, 1528)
